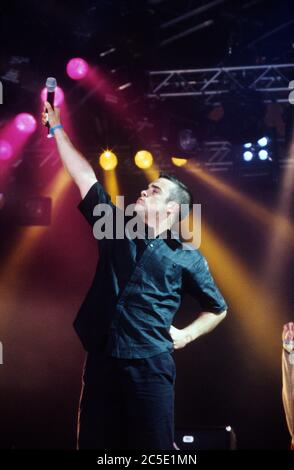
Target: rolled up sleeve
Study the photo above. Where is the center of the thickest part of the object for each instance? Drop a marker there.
(95, 195)
(199, 283)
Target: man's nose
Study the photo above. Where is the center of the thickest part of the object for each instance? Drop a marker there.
(144, 193)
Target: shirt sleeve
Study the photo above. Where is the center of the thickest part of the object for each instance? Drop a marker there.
(95, 195)
(199, 283)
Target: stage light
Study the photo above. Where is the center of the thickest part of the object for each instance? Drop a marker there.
(108, 160)
(256, 158)
(187, 140)
(247, 156)
(25, 123)
(263, 141)
(77, 68)
(143, 159)
(263, 154)
(58, 98)
(180, 136)
(5, 150)
(179, 161)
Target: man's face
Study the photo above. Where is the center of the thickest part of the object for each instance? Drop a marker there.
(152, 203)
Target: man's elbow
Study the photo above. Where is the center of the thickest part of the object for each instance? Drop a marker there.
(85, 182)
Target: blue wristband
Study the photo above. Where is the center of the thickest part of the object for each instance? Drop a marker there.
(53, 129)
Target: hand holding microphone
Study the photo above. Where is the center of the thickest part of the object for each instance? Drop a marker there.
(51, 116)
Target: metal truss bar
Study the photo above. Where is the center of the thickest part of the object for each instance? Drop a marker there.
(226, 69)
(273, 79)
(190, 93)
(204, 24)
(163, 83)
(213, 79)
(191, 13)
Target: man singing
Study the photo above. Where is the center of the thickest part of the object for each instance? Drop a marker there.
(125, 321)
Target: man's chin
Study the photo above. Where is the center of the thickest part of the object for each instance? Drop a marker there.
(140, 208)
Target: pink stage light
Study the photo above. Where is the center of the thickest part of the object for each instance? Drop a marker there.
(25, 123)
(59, 96)
(77, 68)
(5, 150)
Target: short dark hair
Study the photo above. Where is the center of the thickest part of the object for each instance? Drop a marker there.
(180, 193)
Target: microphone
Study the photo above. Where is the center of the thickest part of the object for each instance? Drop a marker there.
(51, 85)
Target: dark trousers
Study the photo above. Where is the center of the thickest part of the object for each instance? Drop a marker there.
(127, 403)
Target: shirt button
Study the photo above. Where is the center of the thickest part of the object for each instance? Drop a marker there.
(151, 245)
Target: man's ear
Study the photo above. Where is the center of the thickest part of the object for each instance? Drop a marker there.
(173, 207)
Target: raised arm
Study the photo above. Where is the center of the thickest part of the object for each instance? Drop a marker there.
(74, 162)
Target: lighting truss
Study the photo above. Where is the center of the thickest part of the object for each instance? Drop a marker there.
(210, 84)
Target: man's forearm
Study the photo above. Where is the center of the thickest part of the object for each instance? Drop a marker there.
(75, 163)
(205, 323)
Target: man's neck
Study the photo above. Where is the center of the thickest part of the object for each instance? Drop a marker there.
(154, 231)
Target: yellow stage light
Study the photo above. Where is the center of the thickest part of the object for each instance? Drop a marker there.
(143, 159)
(108, 160)
(179, 161)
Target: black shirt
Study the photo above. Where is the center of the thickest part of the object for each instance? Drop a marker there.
(137, 289)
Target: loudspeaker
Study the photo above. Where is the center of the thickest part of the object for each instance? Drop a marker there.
(206, 438)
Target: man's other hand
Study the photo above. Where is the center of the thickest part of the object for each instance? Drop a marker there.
(179, 337)
(288, 336)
